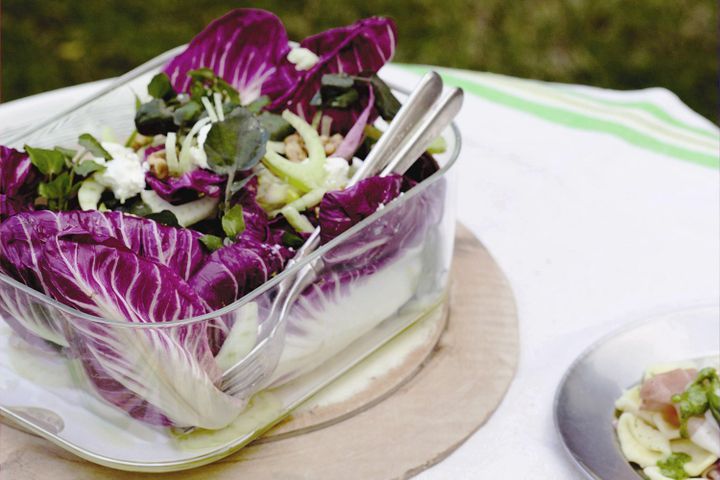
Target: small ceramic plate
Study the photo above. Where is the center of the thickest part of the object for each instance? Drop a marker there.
(584, 403)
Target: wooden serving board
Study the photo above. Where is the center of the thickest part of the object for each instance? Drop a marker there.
(369, 424)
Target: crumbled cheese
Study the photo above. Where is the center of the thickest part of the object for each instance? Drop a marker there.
(303, 58)
(337, 169)
(197, 152)
(124, 174)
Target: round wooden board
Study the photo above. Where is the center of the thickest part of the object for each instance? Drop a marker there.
(419, 417)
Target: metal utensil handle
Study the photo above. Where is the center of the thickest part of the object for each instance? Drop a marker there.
(432, 125)
(423, 96)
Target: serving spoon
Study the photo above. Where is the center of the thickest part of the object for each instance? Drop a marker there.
(418, 122)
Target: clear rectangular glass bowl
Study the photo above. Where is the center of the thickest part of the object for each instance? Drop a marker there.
(56, 375)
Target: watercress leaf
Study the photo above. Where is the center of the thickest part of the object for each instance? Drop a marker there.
(49, 162)
(344, 100)
(86, 167)
(93, 146)
(226, 89)
(239, 184)
(140, 209)
(233, 223)
(56, 189)
(154, 118)
(277, 127)
(202, 74)
(188, 113)
(212, 242)
(160, 87)
(68, 153)
(237, 143)
(164, 217)
(385, 102)
(338, 81)
(291, 240)
(257, 105)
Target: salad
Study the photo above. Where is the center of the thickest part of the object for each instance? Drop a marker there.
(669, 425)
(243, 144)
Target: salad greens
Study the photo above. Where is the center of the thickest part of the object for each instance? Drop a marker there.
(701, 395)
(242, 145)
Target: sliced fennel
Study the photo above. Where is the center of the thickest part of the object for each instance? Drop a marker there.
(308, 174)
(89, 194)
(187, 214)
(297, 220)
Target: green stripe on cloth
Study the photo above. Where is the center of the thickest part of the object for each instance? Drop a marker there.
(575, 120)
(650, 108)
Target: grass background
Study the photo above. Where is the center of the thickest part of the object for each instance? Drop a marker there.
(621, 44)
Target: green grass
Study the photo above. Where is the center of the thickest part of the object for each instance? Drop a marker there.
(621, 44)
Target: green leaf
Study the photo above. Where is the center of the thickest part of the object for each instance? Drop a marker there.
(258, 104)
(237, 143)
(165, 217)
(202, 74)
(68, 153)
(226, 89)
(212, 242)
(49, 162)
(154, 118)
(57, 189)
(291, 240)
(187, 114)
(336, 91)
(233, 223)
(140, 209)
(338, 81)
(160, 87)
(385, 102)
(93, 146)
(86, 167)
(278, 128)
(239, 184)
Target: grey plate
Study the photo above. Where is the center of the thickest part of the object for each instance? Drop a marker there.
(584, 402)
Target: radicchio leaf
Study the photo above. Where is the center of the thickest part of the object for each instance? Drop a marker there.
(356, 134)
(186, 188)
(162, 375)
(22, 235)
(341, 209)
(247, 48)
(363, 47)
(21, 249)
(18, 180)
(235, 270)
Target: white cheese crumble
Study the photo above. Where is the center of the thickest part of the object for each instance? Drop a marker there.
(124, 174)
(303, 58)
(338, 170)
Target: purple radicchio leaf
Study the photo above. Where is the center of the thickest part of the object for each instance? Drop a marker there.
(18, 180)
(247, 48)
(402, 228)
(356, 134)
(22, 235)
(21, 249)
(341, 209)
(236, 269)
(162, 376)
(178, 190)
(363, 47)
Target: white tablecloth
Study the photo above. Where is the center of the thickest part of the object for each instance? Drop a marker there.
(600, 206)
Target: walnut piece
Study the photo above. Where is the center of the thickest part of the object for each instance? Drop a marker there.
(158, 164)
